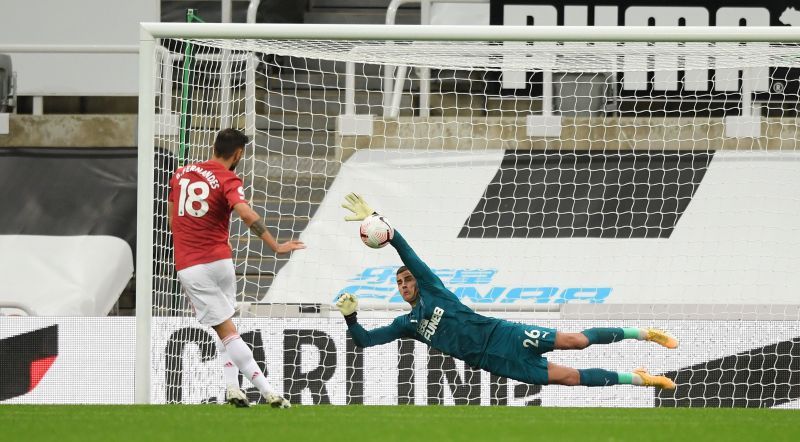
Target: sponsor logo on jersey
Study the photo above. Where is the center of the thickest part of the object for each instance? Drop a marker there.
(421, 326)
(433, 323)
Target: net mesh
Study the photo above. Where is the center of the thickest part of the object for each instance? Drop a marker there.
(550, 183)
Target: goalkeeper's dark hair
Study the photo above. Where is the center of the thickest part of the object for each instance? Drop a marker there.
(228, 141)
(401, 270)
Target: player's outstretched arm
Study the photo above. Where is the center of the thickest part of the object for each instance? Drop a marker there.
(415, 265)
(354, 203)
(348, 306)
(361, 210)
(256, 225)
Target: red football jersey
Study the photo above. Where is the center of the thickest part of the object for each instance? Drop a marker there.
(202, 197)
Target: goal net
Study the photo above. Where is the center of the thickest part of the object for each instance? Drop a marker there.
(568, 184)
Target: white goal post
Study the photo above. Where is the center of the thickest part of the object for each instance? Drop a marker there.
(581, 153)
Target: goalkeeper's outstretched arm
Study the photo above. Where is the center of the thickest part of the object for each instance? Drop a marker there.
(348, 305)
(419, 269)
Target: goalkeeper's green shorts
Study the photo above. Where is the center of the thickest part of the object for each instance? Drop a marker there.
(515, 351)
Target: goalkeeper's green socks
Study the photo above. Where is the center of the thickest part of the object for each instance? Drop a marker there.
(597, 377)
(607, 335)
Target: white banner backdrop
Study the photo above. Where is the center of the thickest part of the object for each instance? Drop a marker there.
(735, 244)
(312, 361)
(719, 363)
(92, 360)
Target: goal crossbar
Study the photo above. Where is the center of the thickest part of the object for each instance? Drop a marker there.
(471, 33)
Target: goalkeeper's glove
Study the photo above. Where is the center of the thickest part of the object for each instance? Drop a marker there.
(358, 206)
(348, 304)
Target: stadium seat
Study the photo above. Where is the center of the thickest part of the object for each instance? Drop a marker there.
(63, 275)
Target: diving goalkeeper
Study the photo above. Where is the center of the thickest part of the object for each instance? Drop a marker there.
(504, 348)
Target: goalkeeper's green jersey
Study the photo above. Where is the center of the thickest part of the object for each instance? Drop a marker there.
(438, 319)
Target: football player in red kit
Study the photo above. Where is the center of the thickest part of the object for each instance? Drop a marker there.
(201, 199)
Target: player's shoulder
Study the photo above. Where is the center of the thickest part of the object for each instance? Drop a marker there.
(400, 320)
(187, 168)
(231, 176)
(212, 168)
(223, 174)
(403, 321)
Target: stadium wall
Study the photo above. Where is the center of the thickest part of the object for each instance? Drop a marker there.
(66, 131)
(579, 133)
(102, 60)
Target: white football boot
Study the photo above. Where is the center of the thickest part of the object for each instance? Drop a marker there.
(277, 401)
(236, 397)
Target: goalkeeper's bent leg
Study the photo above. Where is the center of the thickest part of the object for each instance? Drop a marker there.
(607, 335)
(597, 377)
(592, 377)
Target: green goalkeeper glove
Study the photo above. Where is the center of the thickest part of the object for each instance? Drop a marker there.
(358, 206)
(347, 304)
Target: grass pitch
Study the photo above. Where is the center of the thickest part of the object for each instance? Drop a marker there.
(401, 423)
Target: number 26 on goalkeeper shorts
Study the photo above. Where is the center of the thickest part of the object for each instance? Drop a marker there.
(534, 336)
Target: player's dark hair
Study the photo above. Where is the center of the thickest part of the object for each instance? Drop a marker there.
(228, 142)
(401, 270)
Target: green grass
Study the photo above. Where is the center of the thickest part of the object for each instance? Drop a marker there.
(401, 423)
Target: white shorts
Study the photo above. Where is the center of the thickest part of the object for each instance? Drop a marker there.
(211, 288)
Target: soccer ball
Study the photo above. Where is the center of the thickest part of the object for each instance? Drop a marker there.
(376, 231)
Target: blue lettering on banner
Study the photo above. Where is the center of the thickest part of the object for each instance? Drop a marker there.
(473, 276)
(472, 294)
(472, 286)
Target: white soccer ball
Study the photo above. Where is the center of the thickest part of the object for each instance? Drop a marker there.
(376, 231)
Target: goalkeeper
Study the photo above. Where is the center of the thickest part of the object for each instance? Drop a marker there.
(504, 348)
